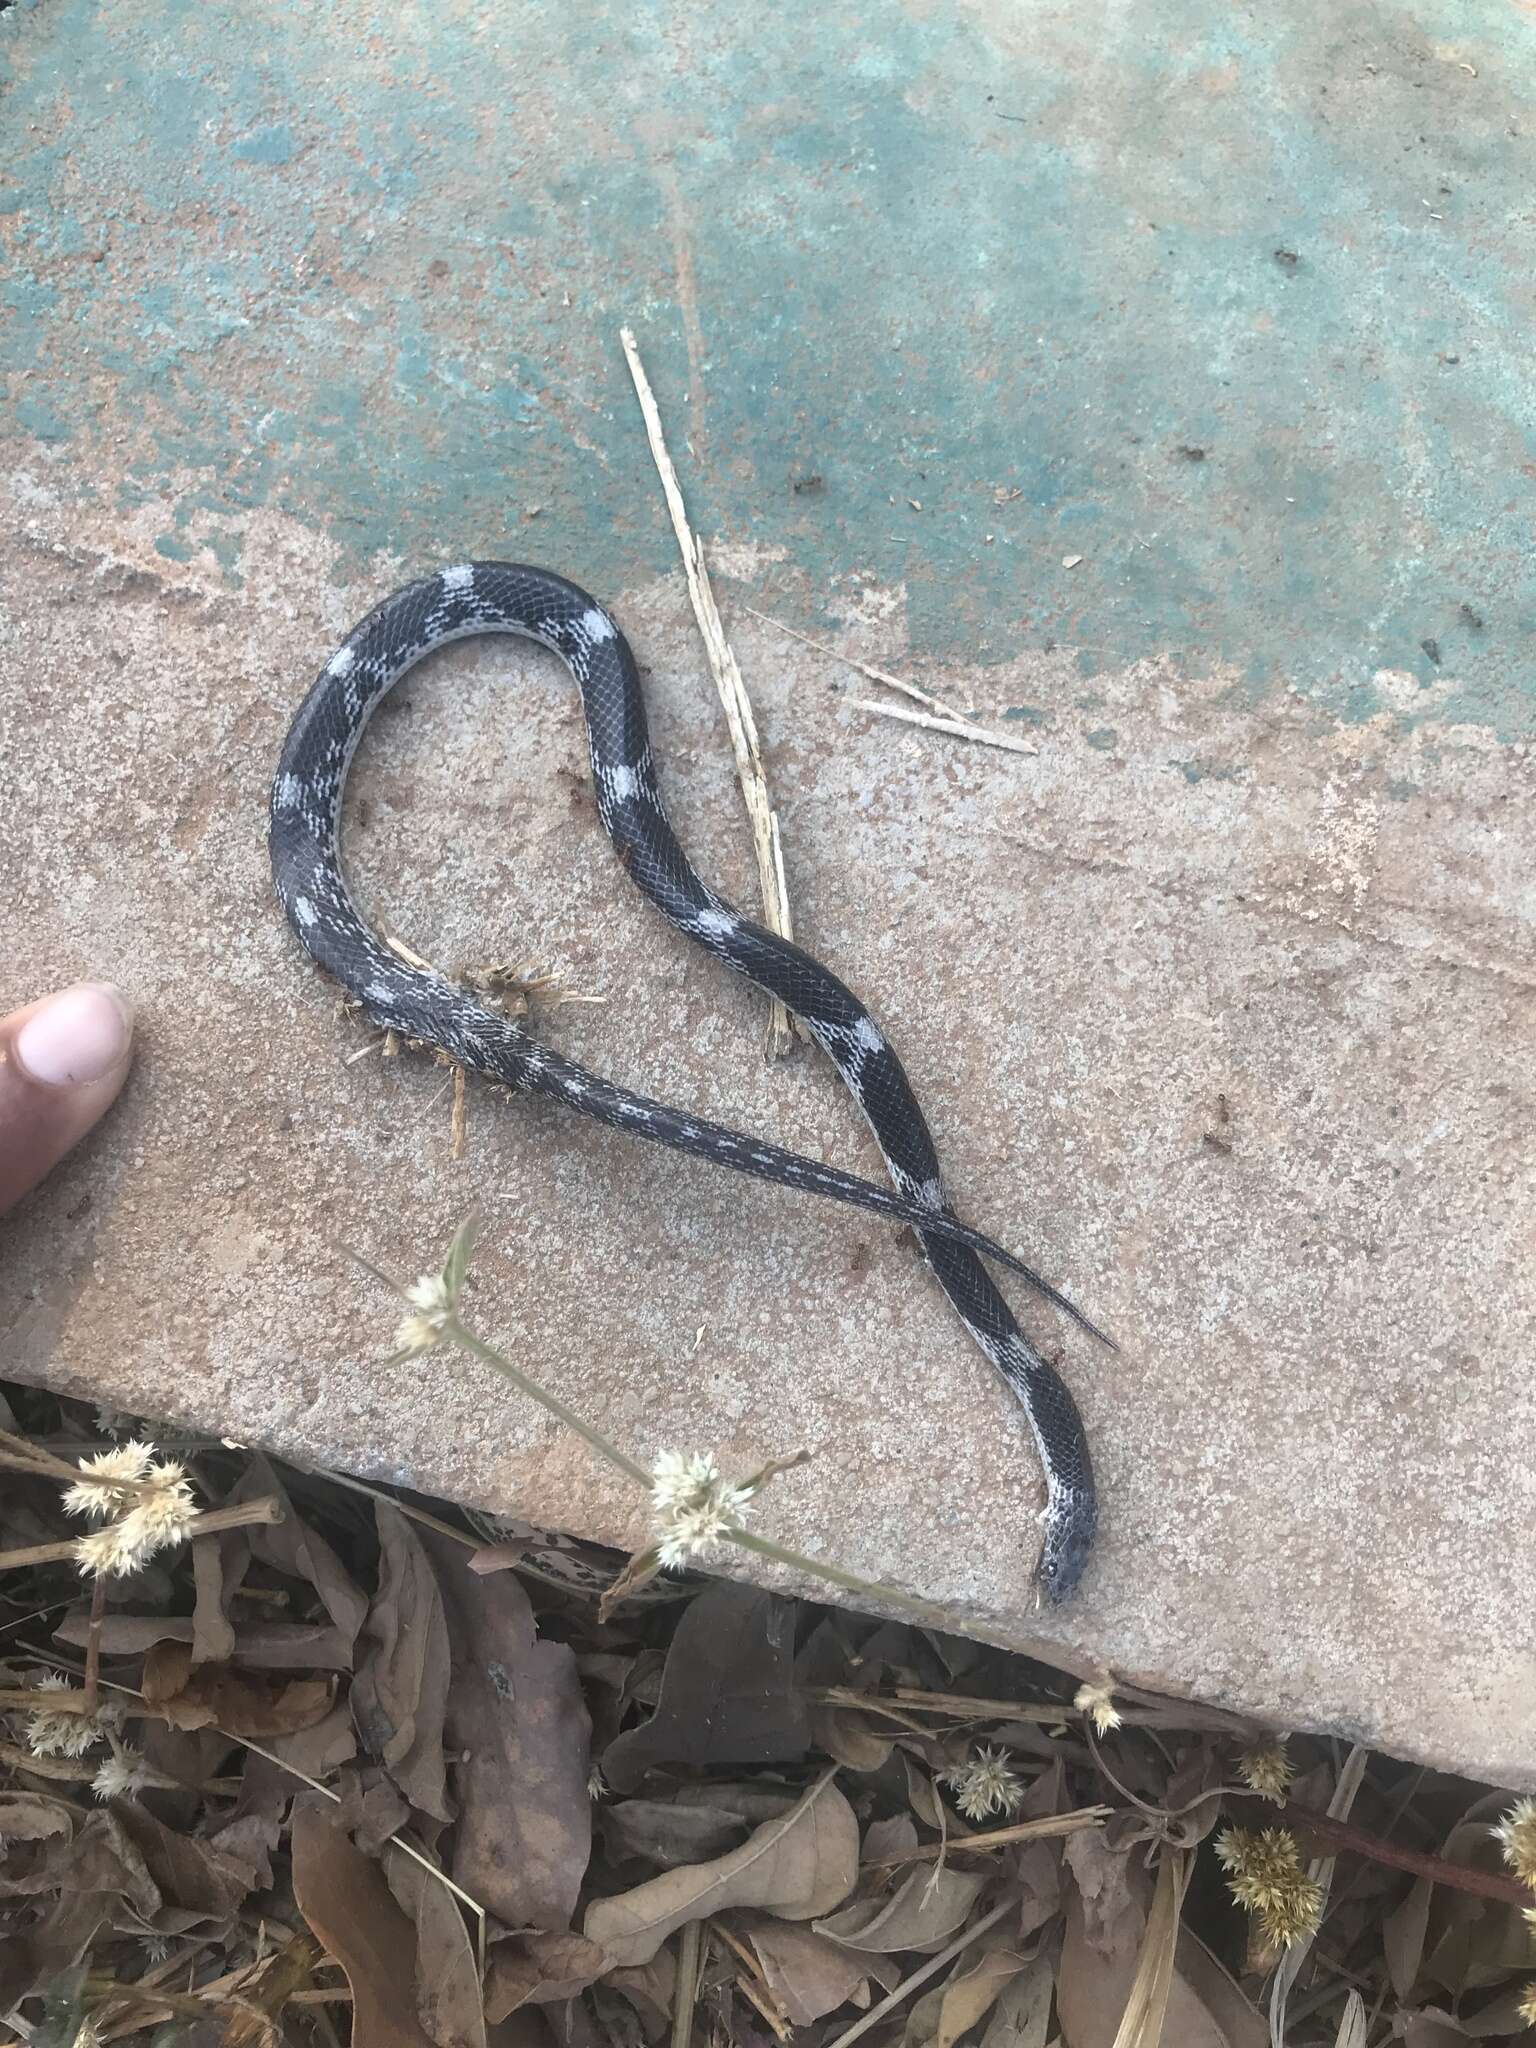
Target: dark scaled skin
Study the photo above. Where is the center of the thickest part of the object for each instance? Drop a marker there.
(499, 597)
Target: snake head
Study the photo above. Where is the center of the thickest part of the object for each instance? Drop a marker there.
(1068, 1525)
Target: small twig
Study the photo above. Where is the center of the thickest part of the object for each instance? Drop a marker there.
(920, 1976)
(406, 1507)
(751, 1982)
(936, 705)
(774, 2020)
(999, 1838)
(17, 1759)
(267, 1509)
(690, 1944)
(957, 726)
(733, 691)
(953, 1706)
(15, 1451)
(93, 1644)
(270, 1756)
(1343, 1834)
(459, 1116)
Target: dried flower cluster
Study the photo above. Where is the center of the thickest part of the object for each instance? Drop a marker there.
(58, 1732)
(1516, 1836)
(1096, 1700)
(692, 1505)
(431, 1306)
(144, 1503)
(1265, 1875)
(1267, 1769)
(123, 1774)
(984, 1785)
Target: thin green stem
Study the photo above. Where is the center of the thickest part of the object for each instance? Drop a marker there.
(849, 1581)
(456, 1333)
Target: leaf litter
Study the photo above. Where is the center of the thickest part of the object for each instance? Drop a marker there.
(377, 1771)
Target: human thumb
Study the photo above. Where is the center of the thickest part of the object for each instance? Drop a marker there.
(62, 1062)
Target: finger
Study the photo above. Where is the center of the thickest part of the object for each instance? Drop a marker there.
(62, 1061)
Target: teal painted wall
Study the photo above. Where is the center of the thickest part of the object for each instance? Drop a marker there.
(1234, 304)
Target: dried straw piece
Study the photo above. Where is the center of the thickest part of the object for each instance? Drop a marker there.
(733, 691)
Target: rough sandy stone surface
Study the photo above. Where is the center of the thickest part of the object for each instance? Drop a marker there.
(1220, 1013)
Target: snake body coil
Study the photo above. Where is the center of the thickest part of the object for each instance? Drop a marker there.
(498, 597)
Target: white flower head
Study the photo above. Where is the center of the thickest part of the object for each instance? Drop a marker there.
(162, 1514)
(120, 1776)
(58, 1732)
(1516, 1836)
(430, 1308)
(692, 1505)
(1097, 1702)
(985, 1785)
(143, 1503)
(109, 1480)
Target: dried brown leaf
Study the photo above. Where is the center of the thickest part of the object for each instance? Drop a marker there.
(540, 1969)
(925, 1800)
(1433, 2029)
(1354, 2027)
(33, 1816)
(448, 1997)
(96, 1856)
(808, 1974)
(797, 1866)
(923, 1911)
(319, 1750)
(893, 1837)
(516, 1713)
(1402, 1937)
(1474, 1943)
(1094, 1981)
(261, 1646)
(1237, 2018)
(941, 2016)
(1112, 1892)
(33, 1958)
(850, 1739)
(1023, 2011)
(351, 1912)
(400, 1692)
(291, 1546)
(187, 1872)
(649, 1988)
(727, 1692)
(1037, 1870)
(670, 1832)
(213, 1696)
(370, 1806)
(1501, 2015)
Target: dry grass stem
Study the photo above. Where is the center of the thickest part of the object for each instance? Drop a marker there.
(960, 727)
(1052, 1825)
(936, 705)
(733, 691)
(690, 1948)
(459, 1116)
(929, 1969)
(1146, 2007)
(951, 1706)
(249, 1512)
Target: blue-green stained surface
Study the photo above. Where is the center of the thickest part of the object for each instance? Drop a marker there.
(1234, 304)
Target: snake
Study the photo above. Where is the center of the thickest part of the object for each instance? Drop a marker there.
(424, 1007)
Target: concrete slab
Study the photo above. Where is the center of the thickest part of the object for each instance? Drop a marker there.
(1219, 1004)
